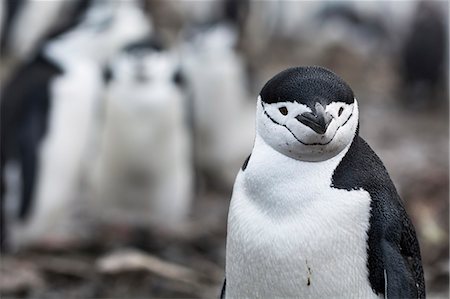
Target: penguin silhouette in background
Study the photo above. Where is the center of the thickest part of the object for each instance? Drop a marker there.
(25, 106)
(314, 213)
(143, 174)
(423, 56)
(216, 79)
(51, 106)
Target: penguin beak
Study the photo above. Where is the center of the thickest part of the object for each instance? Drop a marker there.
(317, 120)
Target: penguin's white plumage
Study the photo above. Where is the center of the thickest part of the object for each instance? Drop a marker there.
(313, 212)
(275, 225)
(216, 78)
(31, 23)
(144, 169)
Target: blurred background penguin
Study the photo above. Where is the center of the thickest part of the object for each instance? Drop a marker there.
(49, 110)
(124, 124)
(145, 170)
(222, 111)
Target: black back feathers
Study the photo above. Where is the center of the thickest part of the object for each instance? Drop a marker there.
(393, 249)
(307, 85)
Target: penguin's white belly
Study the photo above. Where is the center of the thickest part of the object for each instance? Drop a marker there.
(295, 236)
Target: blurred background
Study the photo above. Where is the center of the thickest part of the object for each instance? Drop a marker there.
(124, 123)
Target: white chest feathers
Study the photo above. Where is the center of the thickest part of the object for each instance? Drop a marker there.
(290, 234)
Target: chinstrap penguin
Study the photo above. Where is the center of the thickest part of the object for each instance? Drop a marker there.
(219, 93)
(314, 213)
(143, 173)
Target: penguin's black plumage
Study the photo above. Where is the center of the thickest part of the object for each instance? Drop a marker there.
(306, 85)
(392, 241)
(24, 114)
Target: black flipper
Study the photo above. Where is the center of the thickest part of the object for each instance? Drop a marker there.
(222, 293)
(24, 113)
(244, 166)
(392, 243)
(30, 134)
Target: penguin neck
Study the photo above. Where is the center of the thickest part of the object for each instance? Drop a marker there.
(70, 50)
(263, 147)
(285, 180)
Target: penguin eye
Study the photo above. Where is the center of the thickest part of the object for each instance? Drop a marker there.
(340, 111)
(283, 110)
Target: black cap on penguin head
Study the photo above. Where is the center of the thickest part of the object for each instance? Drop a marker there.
(307, 85)
(153, 43)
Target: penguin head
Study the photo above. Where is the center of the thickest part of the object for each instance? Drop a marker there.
(307, 113)
(145, 62)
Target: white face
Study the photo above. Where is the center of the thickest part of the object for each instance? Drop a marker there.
(277, 125)
(145, 66)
